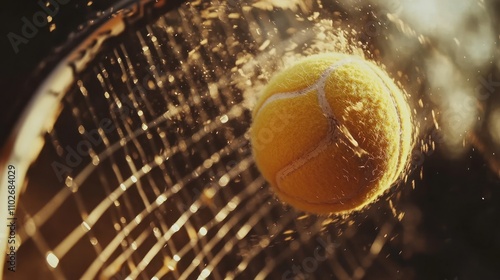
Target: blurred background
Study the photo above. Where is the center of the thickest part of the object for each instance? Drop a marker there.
(170, 191)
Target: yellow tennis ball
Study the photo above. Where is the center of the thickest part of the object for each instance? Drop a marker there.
(331, 133)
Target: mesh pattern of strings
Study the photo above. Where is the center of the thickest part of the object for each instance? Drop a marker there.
(148, 171)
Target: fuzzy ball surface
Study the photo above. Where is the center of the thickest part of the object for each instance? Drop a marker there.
(331, 133)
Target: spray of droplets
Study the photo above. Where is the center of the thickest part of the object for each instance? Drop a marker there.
(322, 36)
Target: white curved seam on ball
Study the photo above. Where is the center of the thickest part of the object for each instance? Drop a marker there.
(400, 123)
(293, 94)
(285, 95)
(325, 107)
(327, 110)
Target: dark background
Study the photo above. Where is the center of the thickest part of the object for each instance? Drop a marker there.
(459, 198)
(21, 72)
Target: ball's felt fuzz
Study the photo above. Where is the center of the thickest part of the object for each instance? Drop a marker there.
(331, 133)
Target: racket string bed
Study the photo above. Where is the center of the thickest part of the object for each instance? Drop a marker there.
(147, 171)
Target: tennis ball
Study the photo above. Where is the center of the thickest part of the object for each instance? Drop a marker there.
(331, 133)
